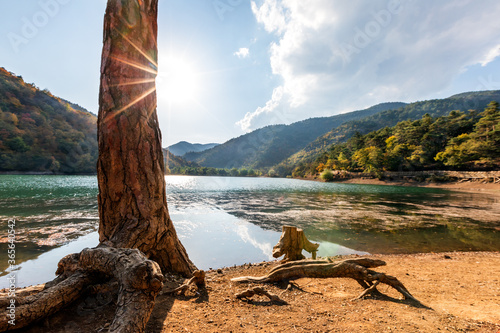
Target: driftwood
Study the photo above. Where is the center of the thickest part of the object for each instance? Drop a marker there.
(247, 294)
(357, 269)
(291, 244)
(139, 280)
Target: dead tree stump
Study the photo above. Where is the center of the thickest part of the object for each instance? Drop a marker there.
(291, 244)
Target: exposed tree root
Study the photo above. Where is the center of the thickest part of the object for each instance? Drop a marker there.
(357, 269)
(247, 294)
(139, 281)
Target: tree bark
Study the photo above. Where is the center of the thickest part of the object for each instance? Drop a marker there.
(132, 202)
(139, 281)
(134, 224)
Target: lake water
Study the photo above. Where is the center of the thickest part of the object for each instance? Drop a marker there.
(224, 221)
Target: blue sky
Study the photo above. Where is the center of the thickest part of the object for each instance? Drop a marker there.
(230, 66)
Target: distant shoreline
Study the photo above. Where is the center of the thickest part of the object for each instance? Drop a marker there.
(450, 185)
(43, 173)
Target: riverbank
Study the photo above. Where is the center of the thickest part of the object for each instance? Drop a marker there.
(459, 292)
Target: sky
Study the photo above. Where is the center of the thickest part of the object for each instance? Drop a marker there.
(227, 67)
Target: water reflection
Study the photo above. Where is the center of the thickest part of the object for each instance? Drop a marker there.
(368, 218)
(228, 221)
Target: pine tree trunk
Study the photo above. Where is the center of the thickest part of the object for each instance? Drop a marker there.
(132, 203)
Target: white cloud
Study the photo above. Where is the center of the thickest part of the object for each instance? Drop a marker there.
(242, 52)
(334, 55)
(270, 106)
(490, 56)
(271, 14)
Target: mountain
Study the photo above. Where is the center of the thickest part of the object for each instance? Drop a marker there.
(40, 132)
(183, 147)
(458, 141)
(173, 161)
(388, 118)
(270, 145)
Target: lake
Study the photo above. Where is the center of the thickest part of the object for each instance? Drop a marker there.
(225, 221)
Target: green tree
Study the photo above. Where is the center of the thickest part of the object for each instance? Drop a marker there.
(327, 175)
(17, 144)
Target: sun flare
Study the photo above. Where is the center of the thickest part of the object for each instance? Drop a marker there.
(177, 80)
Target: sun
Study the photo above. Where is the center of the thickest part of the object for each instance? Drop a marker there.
(177, 80)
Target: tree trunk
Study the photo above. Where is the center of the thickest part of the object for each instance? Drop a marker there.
(133, 213)
(132, 203)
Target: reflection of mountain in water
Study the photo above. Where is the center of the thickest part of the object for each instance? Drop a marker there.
(211, 215)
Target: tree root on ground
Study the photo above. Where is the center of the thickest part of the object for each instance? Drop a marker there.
(357, 269)
(138, 278)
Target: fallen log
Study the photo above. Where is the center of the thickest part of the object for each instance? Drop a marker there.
(139, 280)
(357, 269)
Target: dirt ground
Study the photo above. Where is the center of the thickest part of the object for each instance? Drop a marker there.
(459, 292)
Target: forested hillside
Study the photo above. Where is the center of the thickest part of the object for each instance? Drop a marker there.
(458, 141)
(435, 108)
(270, 145)
(183, 147)
(174, 162)
(40, 132)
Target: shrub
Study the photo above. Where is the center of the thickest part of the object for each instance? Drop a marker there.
(327, 175)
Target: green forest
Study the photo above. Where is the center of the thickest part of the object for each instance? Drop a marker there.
(40, 132)
(458, 141)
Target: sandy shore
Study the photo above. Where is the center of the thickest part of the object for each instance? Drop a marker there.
(459, 292)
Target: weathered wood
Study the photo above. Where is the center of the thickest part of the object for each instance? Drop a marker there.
(139, 280)
(291, 244)
(357, 269)
(250, 292)
(132, 201)
(198, 280)
(47, 302)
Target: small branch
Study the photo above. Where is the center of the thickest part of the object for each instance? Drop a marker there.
(198, 279)
(247, 294)
(368, 290)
